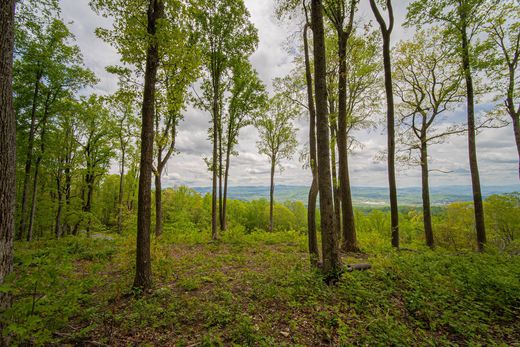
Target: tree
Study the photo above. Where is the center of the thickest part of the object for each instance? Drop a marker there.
(247, 100)
(341, 15)
(331, 259)
(226, 34)
(277, 138)
(504, 36)
(122, 110)
(428, 81)
(386, 31)
(94, 130)
(287, 8)
(179, 67)
(138, 30)
(7, 145)
(463, 21)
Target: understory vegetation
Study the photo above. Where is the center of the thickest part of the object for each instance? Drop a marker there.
(258, 289)
(254, 287)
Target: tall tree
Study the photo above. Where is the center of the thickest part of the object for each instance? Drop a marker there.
(463, 21)
(386, 31)
(330, 251)
(179, 67)
(341, 15)
(504, 35)
(122, 109)
(138, 32)
(7, 145)
(277, 138)
(428, 81)
(247, 100)
(227, 34)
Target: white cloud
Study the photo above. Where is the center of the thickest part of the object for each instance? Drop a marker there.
(496, 149)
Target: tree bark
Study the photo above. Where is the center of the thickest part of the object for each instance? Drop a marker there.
(220, 155)
(28, 160)
(121, 193)
(59, 212)
(158, 204)
(313, 192)
(226, 176)
(271, 197)
(215, 111)
(335, 181)
(349, 243)
(7, 148)
(427, 215)
(515, 114)
(472, 148)
(331, 259)
(390, 116)
(143, 275)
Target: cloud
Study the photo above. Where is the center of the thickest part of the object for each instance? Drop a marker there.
(496, 149)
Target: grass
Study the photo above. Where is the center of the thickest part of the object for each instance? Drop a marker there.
(258, 289)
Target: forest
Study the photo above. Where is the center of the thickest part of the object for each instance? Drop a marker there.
(99, 248)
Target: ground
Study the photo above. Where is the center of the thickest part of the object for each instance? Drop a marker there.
(259, 290)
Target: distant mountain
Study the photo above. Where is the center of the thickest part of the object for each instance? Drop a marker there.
(367, 196)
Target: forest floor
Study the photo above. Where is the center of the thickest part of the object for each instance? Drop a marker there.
(258, 290)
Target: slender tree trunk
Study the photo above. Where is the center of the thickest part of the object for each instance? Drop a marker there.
(349, 243)
(28, 160)
(427, 214)
(390, 116)
(313, 192)
(158, 203)
(335, 181)
(472, 148)
(33, 199)
(121, 193)
(516, 129)
(271, 197)
(394, 211)
(226, 176)
(214, 164)
(515, 115)
(331, 259)
(91, 178)
(37, 171)
(7, 149)
(143, 275)
(220, 166)
(59, 212)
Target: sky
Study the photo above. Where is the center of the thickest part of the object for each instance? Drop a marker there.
(496, 148)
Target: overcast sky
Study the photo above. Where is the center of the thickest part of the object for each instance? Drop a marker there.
(496, 148)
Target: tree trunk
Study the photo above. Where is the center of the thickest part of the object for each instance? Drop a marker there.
(516, 128)
(143, 275)
(313, 192)
(28, 160)
(335, 182)
(7, 148)
(226, 176)
(349, 243)
(33, 199)
(214, 163)
(472, 148)
(158, 203)
(37, 170)
(331, 259)
(427, 215)
(271, 197)
(394, 211)
(515, 115)
(121, 193)
(57, 227)
(220, 155)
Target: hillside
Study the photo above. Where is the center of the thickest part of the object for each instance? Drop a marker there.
(367, 196)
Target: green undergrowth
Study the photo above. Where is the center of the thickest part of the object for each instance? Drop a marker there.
(257, 289)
